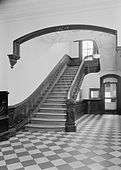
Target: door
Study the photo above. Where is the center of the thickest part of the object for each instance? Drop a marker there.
(110, 96)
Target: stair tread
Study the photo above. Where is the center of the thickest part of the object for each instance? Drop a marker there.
(47, 113)
(57, 97)
(66, 79)
(43, 126)
(58, 92)
(49, 120)
(51, 108)
(51, 99)
(53, 103)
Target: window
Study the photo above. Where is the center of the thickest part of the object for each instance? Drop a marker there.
(94, 93)
(87, 48)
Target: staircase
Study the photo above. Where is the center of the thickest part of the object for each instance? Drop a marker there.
(51, 114)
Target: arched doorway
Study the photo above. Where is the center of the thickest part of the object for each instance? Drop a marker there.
(111, 93)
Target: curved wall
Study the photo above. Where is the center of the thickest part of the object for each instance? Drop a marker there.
(38, 59)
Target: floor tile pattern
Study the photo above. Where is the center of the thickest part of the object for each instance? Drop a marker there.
(95, 146)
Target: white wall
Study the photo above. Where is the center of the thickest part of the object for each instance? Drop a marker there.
(119, 60)
(38, 59)
(3, 58)
(91, 80)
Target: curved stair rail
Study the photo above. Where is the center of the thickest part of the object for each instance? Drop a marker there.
(70, 103)
(74, 86)
(85, 68)
(20, 113)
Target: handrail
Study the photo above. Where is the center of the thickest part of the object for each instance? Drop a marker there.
(70, 92)
(28, 105)
(80, 75)
(85, 68)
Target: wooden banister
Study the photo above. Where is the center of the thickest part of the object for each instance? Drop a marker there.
(84, 68)
(77, 78)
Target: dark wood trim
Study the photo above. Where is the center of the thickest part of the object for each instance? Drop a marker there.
(4, 118)
(64, 28)
(80, 50)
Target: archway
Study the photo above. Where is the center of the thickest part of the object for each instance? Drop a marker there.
(16, 43)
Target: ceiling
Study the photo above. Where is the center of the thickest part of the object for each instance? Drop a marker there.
(12, 9)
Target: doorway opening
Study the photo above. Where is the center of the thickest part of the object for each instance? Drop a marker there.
(87, 49)
(110, 94)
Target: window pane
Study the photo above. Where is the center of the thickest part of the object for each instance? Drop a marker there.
(107, 100)
(110, 90)
(107, 94)
(110, 96)
(87, 48)
(94, 93)
(113, 90)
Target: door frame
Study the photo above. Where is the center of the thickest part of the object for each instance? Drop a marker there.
(118, 91)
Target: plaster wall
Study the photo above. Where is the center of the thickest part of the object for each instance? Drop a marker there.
(91, 80)
(38, 59)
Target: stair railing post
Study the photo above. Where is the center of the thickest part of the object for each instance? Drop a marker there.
(70, 119)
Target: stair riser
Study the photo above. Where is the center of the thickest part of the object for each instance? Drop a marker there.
(44, 116)
(55, 101)
(57, 95)
(58, 129)
(70, 72)
(68, 78)
(65, 81)
(41, 122)
(51, 111)
(58, 88)
(60, 91)
(63, 86)
(66, 84)
(53, 106)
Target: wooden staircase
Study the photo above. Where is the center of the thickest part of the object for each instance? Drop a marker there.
(51, 114)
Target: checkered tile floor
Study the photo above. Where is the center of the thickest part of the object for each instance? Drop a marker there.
(95, 146)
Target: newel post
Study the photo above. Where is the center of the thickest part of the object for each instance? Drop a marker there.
(70, 116)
